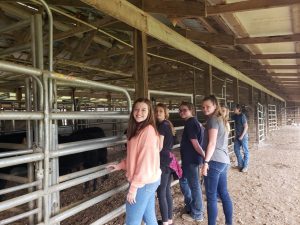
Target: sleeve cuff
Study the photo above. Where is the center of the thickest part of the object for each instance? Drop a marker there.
(132, 189)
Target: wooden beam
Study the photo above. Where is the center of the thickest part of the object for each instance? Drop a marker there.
(73, 3)
(280, 67)
(197, 9)
(270, 39)
(287, 79)
(83, 45)
(174, 8)
(146, 23)
(230, 54)
(208, 38)
(276, 56)
(224, 39)
(84, 66)
(283, 74)
(248, 6)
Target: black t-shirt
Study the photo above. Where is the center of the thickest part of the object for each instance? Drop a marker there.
(192, 130)
(165, 130)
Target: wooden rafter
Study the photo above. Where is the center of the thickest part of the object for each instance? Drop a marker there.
(208, 38)
(270, 39)
(177, 8)
(276, 56)
(280, 67)
(198, 9)
(146, 23)
(248, 6)
(224, 39)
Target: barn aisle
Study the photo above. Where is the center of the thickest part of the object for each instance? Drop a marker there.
(269, 194)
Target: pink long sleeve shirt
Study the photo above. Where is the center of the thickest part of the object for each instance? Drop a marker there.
(142, 163)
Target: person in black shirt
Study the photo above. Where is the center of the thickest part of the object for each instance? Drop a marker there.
(192, 156)
(166, 131)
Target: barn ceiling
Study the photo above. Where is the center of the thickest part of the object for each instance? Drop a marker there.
(257, 37)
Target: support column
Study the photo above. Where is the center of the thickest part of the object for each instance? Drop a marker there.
(195, 91)
(267, 114)
(252, 119)
(208, 87)
(236, 93)
(141, 64)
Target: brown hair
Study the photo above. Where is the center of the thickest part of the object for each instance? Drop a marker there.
(166, 110)
(190, 106)
(134, 128)
(217, 111)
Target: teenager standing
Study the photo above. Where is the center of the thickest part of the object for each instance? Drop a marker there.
(141, 164)
(167, 132)
(192, 156)
(217, 161)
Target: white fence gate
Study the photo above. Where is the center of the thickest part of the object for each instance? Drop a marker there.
(260, 122)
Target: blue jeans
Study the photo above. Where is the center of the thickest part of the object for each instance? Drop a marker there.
(144, 208)
(191, 190)
(244, 144)
(216, 185)
(164, 196)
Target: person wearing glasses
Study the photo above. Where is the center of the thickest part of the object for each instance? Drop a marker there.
(141, 164)
(192, 156)
(217, 160)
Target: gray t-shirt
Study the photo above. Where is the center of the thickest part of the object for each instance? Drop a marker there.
(221, 152)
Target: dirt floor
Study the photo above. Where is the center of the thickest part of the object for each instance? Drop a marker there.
(269, 194)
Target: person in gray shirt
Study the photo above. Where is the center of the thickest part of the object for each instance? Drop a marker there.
(216, 161)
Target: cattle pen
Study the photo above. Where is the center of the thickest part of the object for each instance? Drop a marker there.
(70, 66)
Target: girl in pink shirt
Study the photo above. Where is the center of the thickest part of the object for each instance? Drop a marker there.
(142, 164)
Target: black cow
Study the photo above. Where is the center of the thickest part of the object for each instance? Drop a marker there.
(66, 163)
(85, 159)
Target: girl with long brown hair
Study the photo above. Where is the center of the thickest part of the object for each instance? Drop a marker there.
(141, 164)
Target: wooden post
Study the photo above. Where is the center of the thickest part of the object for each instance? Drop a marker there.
(141, 64)
(252, 119)
(236, 93)
(208, 86)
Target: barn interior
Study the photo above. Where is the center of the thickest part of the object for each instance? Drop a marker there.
(69, 65)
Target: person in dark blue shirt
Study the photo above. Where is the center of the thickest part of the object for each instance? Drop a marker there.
(192, 156)
(241, 138)
(166, 132)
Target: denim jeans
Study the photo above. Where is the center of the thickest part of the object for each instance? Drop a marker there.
(164, 195)
(144, 208)
(191, 190)
(242, 163)
(216, 185)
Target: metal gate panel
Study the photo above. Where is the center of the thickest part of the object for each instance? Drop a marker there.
(260, 122)
(272, 118)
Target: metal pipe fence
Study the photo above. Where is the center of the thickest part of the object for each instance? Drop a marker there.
(260, 122)
(71, 148)
(272, 118)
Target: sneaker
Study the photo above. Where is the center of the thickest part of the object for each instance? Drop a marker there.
(237, 167)
(189, 218)
(244, 170)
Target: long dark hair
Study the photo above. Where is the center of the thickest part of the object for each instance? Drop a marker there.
(134, 128)
(164, 107)
(217, 111)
